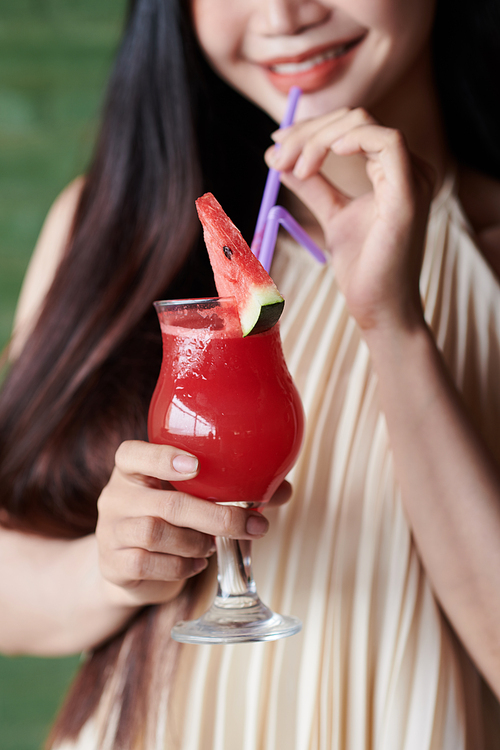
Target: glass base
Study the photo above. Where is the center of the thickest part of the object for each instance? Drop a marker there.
(236, 619)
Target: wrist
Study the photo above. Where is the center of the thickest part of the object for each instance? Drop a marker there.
(53, 601)
(412, 377)
(391, 344)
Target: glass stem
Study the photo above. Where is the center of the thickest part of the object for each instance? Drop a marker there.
(237, 615)
(236, 587)
(234, 562)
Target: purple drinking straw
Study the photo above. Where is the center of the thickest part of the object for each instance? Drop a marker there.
(279, 215)
(272, 186)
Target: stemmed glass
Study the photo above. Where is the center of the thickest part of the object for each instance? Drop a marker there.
(231, 402)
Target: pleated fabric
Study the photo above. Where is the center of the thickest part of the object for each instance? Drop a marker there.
(376, 666)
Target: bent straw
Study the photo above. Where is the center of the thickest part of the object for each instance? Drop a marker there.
(272, 186)
(279, 215)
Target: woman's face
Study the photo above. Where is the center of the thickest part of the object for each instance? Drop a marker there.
(340, 53)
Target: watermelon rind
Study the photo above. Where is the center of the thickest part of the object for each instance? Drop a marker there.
(261, 312)
(238, 273)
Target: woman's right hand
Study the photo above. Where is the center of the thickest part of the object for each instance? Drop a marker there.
(377, 239)
(151, 539)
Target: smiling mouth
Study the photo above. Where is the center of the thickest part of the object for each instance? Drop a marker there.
(312, 70)
(298, 66)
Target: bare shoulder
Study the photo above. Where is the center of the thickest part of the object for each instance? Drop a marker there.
(480, 198)
(44, 262)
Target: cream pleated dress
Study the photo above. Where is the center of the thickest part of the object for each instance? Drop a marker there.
(376, 666)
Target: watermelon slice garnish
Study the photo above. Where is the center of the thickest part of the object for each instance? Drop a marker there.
(237, 271)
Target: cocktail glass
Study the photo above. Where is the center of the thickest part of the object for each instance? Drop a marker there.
(231, 402)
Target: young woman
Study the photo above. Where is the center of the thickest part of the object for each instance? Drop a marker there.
(390, 548)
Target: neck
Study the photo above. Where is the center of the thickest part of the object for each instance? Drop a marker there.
(413, 108)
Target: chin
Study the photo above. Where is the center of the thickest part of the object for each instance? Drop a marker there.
(272, 100)
(310, 105)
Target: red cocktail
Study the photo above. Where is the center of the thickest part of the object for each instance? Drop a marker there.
(231, 402)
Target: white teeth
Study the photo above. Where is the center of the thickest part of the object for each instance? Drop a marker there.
(311, 62)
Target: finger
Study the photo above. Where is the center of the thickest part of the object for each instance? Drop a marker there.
(156, 535)
(281, 496)
(122, 499)
(136, 460)
(304, 150)
(385, 148)
(186, 511)
(148, 592)
(322, 198)
(290, 141)
(132, 566)
(306, 128)
(140, 593)
(317, 147)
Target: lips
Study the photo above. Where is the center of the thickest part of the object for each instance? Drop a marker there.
(313, 69)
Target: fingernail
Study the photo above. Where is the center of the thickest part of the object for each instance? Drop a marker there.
(273, 155)
(199, 564)
(257, 525)
(185, 464)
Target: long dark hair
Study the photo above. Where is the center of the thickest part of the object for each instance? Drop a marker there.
(81, 384)
(171, 130)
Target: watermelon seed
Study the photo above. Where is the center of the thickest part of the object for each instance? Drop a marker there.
(227, 252)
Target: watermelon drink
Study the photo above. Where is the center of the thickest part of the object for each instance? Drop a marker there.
(230, 401)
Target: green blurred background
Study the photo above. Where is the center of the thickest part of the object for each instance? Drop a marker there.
(55, 56)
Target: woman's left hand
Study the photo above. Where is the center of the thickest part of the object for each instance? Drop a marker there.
(376, 240)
